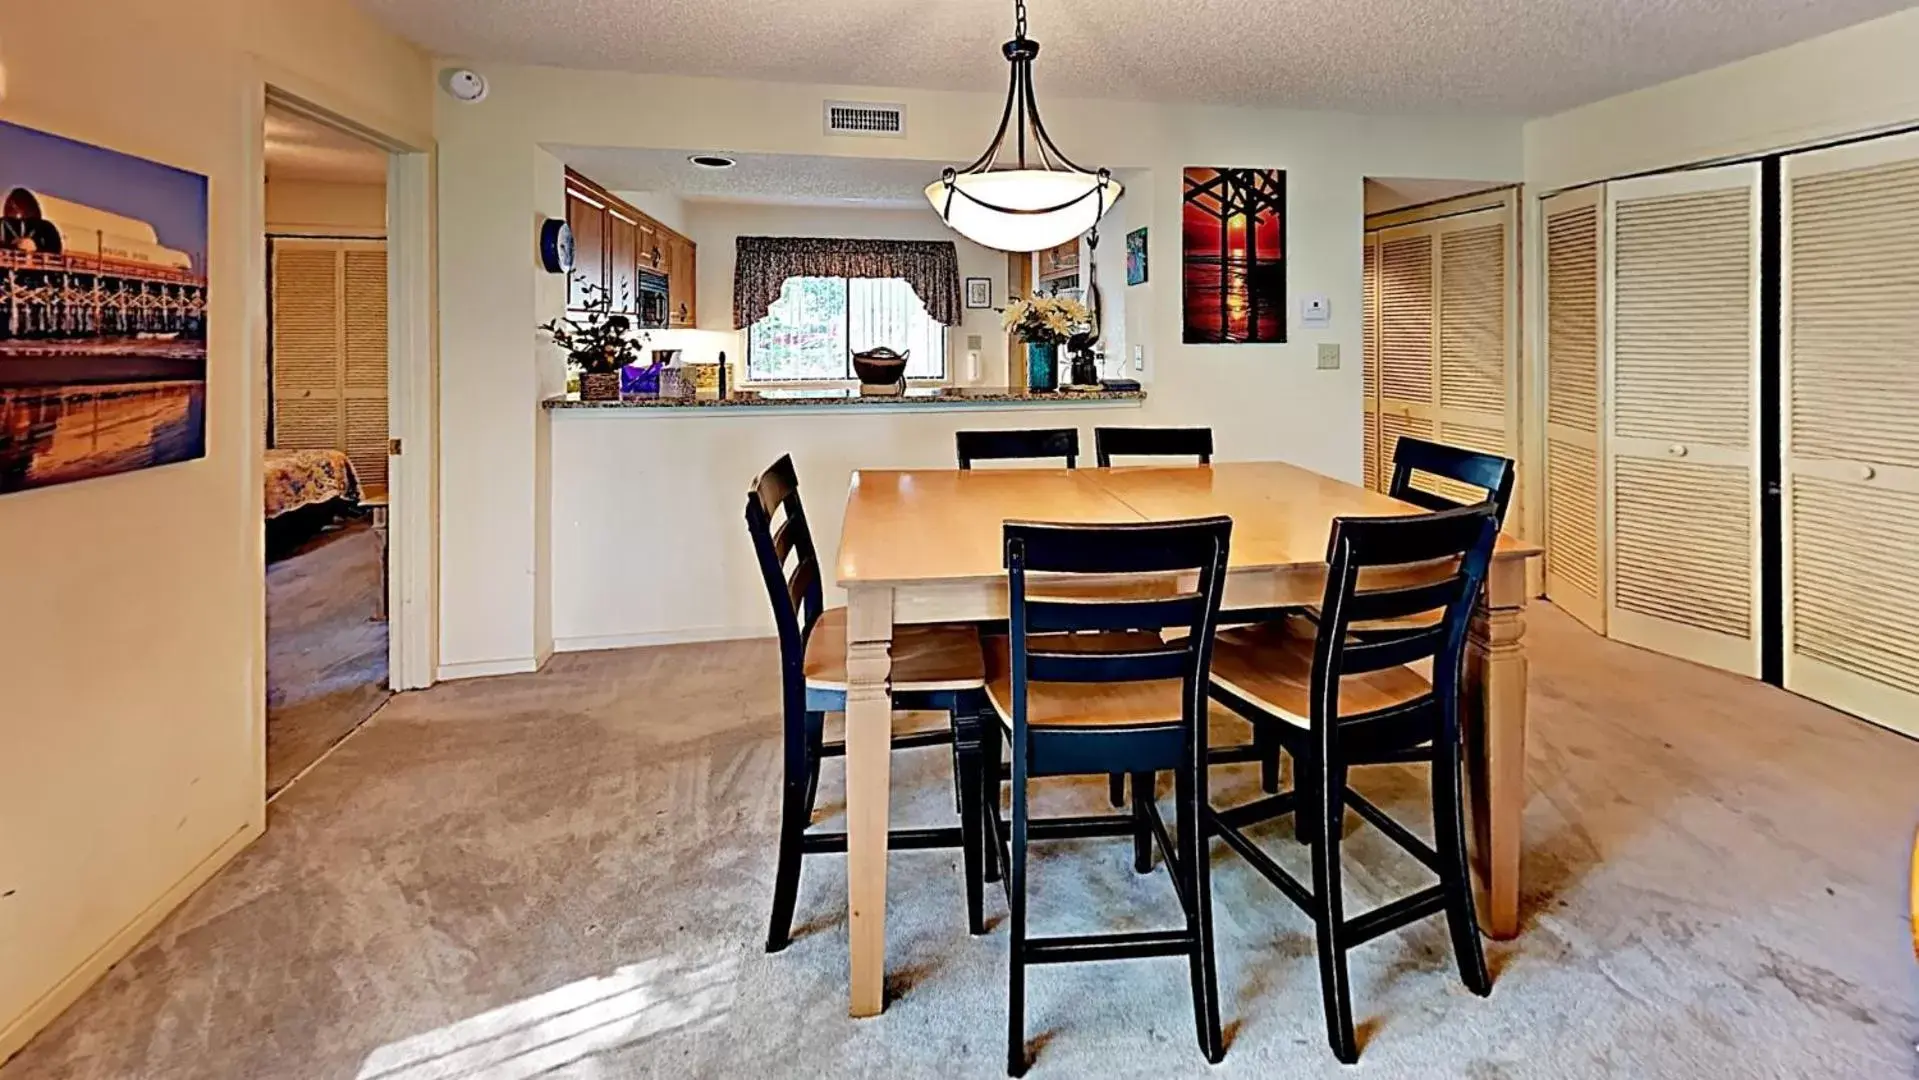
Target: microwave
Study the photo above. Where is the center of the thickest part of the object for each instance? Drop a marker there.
(650, 300)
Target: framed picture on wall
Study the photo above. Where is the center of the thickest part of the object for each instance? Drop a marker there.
(1233, 255)
(103, 353)
(979, 292)
(1136, 256)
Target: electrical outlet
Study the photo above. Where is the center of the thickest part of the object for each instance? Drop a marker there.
(1139, 358)
(1329, 357)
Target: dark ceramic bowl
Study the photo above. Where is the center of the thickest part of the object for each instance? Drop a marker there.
(880, 367)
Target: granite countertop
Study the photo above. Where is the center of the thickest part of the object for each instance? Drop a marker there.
(843, 397)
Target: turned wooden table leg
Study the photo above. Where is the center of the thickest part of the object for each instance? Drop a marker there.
(869, 760)
(1496, 742)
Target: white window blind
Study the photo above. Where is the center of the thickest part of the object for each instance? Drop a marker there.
(812, 330)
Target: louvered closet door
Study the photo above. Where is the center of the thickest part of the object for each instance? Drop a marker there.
(1476, 399)
(1682, 387)
(1575, 544)
(1850, 396)
(329, 350)
(1407, 338)
(1369, 363)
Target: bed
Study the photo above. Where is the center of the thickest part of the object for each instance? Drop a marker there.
(297, 479)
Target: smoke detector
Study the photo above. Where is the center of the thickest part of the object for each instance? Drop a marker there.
(464, 84)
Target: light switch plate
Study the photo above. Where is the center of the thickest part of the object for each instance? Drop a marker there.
(1329, 356)
(1139, 358)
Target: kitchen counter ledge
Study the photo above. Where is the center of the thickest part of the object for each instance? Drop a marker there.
(839, 398)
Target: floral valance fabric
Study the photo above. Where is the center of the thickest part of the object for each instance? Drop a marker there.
(931, 267)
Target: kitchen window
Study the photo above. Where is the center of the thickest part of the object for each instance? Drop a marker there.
(811, 332)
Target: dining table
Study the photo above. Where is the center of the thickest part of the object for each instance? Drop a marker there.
(925, 546)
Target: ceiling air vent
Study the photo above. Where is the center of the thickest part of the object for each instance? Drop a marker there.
(866, 118)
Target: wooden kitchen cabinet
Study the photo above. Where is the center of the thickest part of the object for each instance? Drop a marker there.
(587, 218)
(613, 241)
(682, 280)
(622, 246)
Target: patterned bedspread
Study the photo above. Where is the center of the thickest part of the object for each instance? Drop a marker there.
(297, 478)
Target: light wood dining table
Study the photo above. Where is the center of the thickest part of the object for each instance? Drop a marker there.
(924, 546)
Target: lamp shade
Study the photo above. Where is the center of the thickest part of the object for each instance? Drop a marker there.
(1023, 209)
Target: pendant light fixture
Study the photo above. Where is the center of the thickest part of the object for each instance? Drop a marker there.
(1023, 207)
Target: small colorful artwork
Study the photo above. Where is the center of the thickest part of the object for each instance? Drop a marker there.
(103, 311)
(1233, 255)
(1136, 256)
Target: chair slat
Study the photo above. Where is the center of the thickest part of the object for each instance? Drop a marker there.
(1400, 602)
(805, 577)
(1489, 472)
(1387, 649)
(1017, 445)
(1055, 616)
(1149, 547)
(1170, 662)
(1111, 442)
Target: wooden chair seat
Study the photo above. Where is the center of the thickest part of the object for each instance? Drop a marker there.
(1271, 666)
(926, 659)
(1073, 704)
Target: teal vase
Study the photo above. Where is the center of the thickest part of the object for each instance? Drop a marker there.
(1042, 365)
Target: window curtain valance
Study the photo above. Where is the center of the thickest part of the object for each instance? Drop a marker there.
(764, 263)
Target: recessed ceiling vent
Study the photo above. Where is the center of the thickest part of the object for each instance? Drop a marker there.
(867, 118)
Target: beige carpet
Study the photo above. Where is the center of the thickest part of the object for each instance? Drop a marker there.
(326, 655)
(567, 875)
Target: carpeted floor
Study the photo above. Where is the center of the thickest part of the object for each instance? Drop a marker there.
(326, 655)
(566, 875)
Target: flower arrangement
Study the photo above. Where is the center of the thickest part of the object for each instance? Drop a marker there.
(598, 342)
(1046, 319)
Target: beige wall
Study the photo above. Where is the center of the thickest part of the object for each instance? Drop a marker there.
(1263, 401)
(131, 646)
(1859, 79)
(320, 208)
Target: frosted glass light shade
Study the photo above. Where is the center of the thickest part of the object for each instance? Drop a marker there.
(1023, 189)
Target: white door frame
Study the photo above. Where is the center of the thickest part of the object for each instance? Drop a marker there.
(412, 476)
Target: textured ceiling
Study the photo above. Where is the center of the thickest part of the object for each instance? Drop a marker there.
(1493, 57)
(298, 148)
(788, 179)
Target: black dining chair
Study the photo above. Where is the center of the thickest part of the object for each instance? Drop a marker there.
(1084, 687)
(937, 668)
(1489, 473)
(1335, 700)
(1112, 442)
(1018, 445)
(1194, 442)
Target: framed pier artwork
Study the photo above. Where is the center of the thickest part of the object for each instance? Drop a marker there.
(1233, 255)
(103, 311)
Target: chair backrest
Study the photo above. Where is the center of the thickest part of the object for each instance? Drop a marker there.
(1422, 575)
(777, 523)
(1489, 472)
(1014, 445)
(1109, 442)
(1047, 612)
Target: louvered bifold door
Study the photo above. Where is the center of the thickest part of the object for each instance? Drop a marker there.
(1407, 338)
(329, 350)
(1476, 385)
(1369, 363)
(1575, 542)
(1850, 429)
(1682, 354)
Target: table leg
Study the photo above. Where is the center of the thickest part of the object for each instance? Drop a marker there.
(1496, 742)
(869, 761)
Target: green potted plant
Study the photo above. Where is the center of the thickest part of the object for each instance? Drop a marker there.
(1044, 323)
(598, 344)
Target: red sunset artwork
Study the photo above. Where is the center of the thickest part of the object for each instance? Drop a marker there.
(1233, 245)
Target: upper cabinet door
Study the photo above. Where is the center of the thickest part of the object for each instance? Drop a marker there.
(1682, 417)
(682, 280)
(1850, 392)
(652, 246)
(587, 218)
(622, 247)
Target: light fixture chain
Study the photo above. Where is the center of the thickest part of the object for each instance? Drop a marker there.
(1019, 18)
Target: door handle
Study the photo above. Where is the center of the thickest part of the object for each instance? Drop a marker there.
(1867, 472)
(1677, 450)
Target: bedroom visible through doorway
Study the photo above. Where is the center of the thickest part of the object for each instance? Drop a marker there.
(327, 439)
